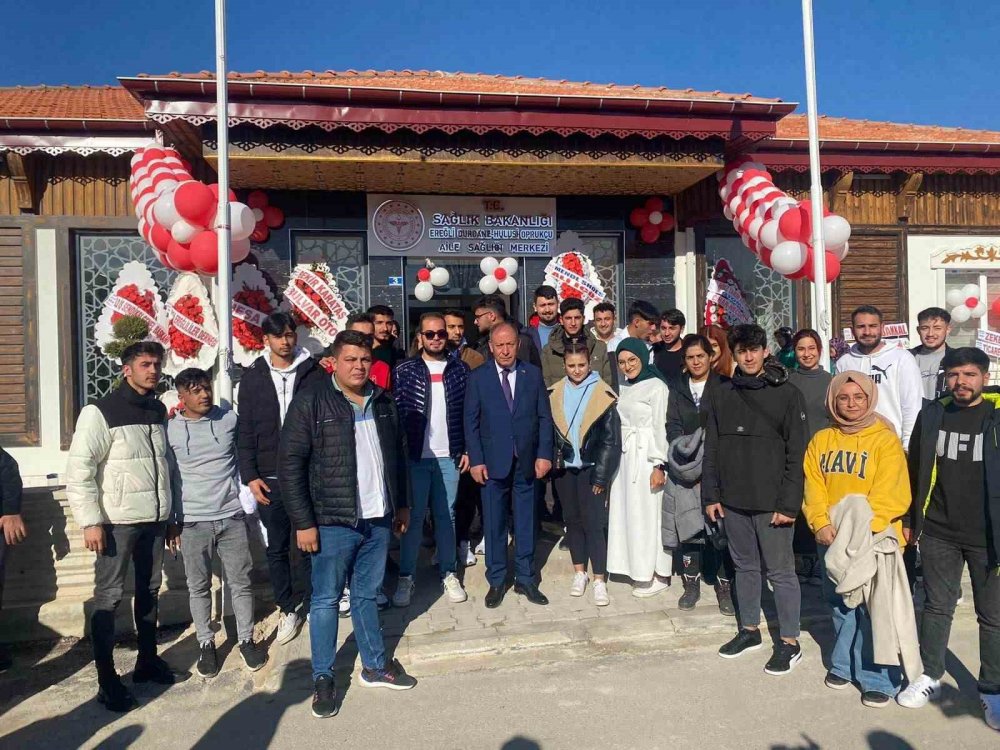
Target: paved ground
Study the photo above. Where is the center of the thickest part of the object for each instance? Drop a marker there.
(637, 674)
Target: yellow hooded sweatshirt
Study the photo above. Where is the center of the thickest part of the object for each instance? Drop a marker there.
(870, 462)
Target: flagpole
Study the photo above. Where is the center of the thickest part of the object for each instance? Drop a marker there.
(222, 222)
(820, 307)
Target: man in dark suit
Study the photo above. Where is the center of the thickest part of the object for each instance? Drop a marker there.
(508, 429)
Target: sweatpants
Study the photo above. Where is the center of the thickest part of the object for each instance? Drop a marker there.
(753, 541)
(586, 517)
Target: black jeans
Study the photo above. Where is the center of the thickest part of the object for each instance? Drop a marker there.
(586, 518)
(701, 557)
(142, 545)
(279, 539)
(942, 563)
(468, 507)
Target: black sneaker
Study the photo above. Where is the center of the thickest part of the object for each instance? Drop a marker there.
(392, 677)
(252, 656)
(835, 681)
(208, 661)
(875, 699)
(114, 696)
(157, 671)
(6, 659)
(692, 592)
(724, 593)
(745, 640)
(784, 658)
(324, 703)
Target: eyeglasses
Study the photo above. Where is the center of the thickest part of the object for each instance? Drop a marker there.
(434, 334)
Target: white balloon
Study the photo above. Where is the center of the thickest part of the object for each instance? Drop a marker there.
(954, 298)
(144, 184)
(184, 231)
(754, 165)
(423, 291)
(488, 265)
(510, 266)
(744, 216)
(165, 211)
(960, 314)
(165, 186)
(979, 310)
(753, 229)
(754, 183)
(727, 213)
(136, 158)
(488, 284)
(788, 257)
(140, 205)
(508, 285)
(724, 193)
(778, 209)
(763, 208)
(258, 213)
(841, 251)
(239, 250)
(439, 276)
(970, 290)
(734, 203)
(836, 230)
(241, 219)
(768, 235)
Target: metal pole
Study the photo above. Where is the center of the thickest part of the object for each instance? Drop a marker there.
(222, 221)
(821, 308)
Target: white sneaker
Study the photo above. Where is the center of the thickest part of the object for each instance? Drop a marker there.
(481, 547)
(600, 593)
(453, 588)
(404, 592)
(579, 585)
(288, 627)
(466, 556)
(344, 605)
(918, 692)
(650, 588)
(991, 710)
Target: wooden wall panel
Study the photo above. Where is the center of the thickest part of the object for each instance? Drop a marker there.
(18, 341)
(971, 200)
(873, 273)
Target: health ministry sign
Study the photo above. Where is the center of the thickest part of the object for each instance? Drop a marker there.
(441, 225)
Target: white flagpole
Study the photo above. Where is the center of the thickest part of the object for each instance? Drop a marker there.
(222, 222)
(820, 307)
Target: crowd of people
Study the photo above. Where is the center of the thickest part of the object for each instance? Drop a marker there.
(698, 458)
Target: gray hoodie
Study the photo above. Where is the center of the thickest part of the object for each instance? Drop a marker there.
(203, 466)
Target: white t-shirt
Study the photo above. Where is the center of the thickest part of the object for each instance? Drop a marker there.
(436, 435)
(697, 391)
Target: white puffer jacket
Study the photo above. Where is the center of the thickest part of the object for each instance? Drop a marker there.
(117, 470)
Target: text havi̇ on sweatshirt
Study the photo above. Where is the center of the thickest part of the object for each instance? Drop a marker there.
(900, 385)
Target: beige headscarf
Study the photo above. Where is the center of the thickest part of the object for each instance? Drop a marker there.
(867, 385)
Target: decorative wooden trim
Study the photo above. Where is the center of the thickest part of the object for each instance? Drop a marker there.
(23, 189)
(31, 436)
(839, 191)
(907, 195)
(68, 346)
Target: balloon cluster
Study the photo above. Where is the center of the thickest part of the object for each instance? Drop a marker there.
(966, 303)
(651, 220)
(776, 227)
(499, 275)
(176, 213)
(428, 278)
(268, 217)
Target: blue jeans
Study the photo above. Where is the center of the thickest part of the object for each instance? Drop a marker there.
(433, 481)
(853, 657)
(359, 551)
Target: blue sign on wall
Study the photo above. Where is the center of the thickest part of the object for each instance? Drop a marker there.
(395, 281)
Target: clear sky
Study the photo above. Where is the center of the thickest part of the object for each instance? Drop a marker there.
(920, 61)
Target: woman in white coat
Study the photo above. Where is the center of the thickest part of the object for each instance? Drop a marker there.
(634, 545)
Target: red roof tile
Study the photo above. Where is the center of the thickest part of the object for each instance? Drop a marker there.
(69, 103)
(794, 127)
(473, 83)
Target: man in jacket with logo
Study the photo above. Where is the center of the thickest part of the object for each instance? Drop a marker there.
(430, 391)
(955, 520)
(753, 480)
(118, 487)
(266, 390)
(343, 470)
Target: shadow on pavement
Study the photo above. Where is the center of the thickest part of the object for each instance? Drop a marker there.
(520, 743)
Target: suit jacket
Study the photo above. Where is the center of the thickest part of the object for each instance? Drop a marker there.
(492, 430)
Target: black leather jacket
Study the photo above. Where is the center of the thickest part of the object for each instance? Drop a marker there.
(318, 465)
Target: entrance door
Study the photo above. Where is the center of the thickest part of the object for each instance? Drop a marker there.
(460, 293)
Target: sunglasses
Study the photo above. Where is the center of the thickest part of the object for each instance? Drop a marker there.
(434, 334)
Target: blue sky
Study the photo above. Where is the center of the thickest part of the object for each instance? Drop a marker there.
(921, 61)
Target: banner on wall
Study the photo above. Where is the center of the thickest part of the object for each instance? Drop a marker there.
(892, 333)
(441, 225)
(989, 342)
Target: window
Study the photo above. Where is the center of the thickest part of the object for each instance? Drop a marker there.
(344, 253)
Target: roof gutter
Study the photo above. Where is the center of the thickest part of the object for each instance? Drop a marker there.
(88, 125)
(801, 144)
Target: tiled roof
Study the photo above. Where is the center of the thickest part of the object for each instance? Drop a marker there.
(69, 103)
(794, 127)
(474, 83)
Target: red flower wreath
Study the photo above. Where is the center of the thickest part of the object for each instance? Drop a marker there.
(250, 336)
(131, 293)
(183, 345)
(571, 262)
(301, 319)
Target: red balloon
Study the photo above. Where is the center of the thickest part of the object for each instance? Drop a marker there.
(159, 237)
(832, 267)
(180, 256)
(152, 154)
(205, 252)
(765, 255)
(499, 273)
(794, 225)
(807, 267)
(736, 163)
(654, 204)
(257, 199)
(193, 201)
(260, 232)
(649, 234)
(995, 307)
(971, 302)
(638, 217)
(424, 274)
(274, 217)
(215, 193)
(165, 260)
(667, 224)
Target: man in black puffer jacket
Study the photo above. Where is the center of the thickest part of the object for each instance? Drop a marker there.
(752, 478)
(342, 468)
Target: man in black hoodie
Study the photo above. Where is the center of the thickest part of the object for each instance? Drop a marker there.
(266, 390)
(752, 479)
